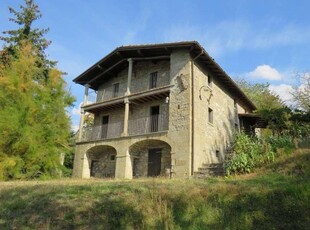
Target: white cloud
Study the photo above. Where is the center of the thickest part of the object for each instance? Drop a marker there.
(76, 111)
(265, 72)
(217, 39)
(284, 91)
(231, 36)
(288, 35)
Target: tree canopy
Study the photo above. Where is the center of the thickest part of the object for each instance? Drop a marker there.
(301, 94)
(261, 95)
(34, 125)
(281, 119)
(25, 18)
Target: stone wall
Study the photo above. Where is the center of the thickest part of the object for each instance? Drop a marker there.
(212, 139)
(180, 113)
(102, 161)
(139, 153)
(140, 78)
(125, 148)
(189, 81)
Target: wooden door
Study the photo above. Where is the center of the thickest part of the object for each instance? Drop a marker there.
(154, 118)
(105, 123)
(154, 162)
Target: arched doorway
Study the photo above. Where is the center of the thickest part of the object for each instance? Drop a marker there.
(150, 158)
(102, 161)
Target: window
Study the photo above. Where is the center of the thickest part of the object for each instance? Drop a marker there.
(112, 158)
(154, 118)
(104, 129)
(115, 89)
(153, 80)
(209, 81)
(210, 115)
(217, 153)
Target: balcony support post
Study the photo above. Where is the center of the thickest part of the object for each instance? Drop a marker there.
(130, 62)
(126, 101)
(83, 113)
(126, 117)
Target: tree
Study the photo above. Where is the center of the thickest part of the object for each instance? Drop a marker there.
(269, 105)
(24, 19)
(301, 94)
(34, 125)
(261, 95)
(281, 119)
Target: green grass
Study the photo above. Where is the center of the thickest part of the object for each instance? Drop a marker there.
(274, 197)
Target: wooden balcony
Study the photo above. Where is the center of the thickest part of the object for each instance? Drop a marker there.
(135, 98)
(140, 126)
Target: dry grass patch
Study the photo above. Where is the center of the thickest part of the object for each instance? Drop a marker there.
(273, 198)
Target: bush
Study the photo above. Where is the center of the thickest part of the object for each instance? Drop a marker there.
(282, 142)
(248, 153)
(251, 152)
(244, 153)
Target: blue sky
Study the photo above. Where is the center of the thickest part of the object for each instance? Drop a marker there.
(261, 41)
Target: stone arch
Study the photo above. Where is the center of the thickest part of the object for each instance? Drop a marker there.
(102, 161)
(150, 158)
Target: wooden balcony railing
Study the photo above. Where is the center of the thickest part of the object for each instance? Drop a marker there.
(139, 126)
(100, 132)
(150, 124)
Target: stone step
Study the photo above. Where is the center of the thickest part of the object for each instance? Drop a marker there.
(213, 165)
(210, 170)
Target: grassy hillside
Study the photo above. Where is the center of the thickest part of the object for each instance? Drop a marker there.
(274, 197)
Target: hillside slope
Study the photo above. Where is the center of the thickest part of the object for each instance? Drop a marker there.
(274, 197)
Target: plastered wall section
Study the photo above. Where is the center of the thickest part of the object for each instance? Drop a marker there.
(180, 113)
(140, 80)
(140, 117)
(116, 121)
(212, 139)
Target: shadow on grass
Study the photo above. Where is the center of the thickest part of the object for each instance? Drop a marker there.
(74, 207)
(267, 202)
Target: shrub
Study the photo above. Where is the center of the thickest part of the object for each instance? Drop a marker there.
(251, 152)
(281, 142)
(244, 153)
(248, 153)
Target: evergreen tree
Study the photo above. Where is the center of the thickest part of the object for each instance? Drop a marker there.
(34, 125)
(25, 19)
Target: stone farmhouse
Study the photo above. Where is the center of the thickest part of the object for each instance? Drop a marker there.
(160, 110)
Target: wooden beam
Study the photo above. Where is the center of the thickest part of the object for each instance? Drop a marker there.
(140, 53)
(107, 70)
